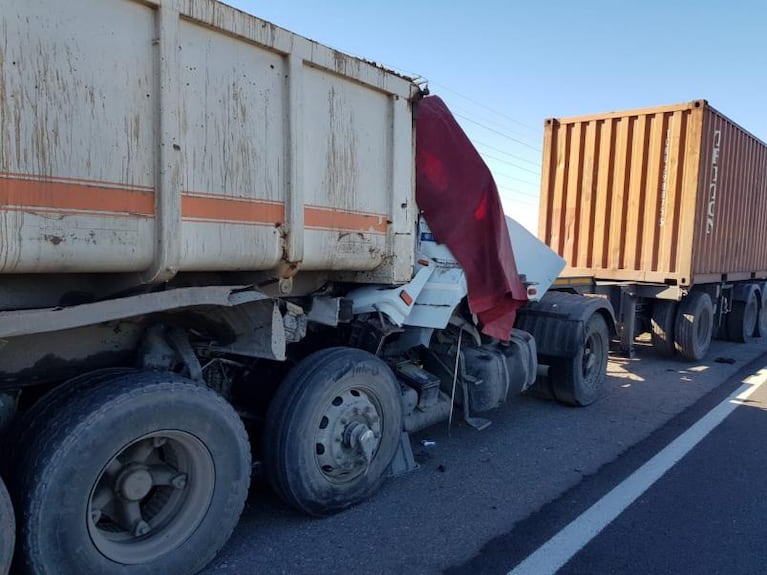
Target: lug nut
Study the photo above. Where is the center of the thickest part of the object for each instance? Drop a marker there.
(141, 528)
(179, 481)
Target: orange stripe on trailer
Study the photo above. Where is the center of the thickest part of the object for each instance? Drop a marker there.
(103, 198)
(231, 210)
(329, 218)
(28, 193)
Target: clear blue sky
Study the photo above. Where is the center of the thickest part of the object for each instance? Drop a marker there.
(508, 65)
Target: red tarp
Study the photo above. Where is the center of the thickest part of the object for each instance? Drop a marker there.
(457, 194)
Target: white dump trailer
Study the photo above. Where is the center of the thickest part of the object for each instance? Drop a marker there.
(211, 254)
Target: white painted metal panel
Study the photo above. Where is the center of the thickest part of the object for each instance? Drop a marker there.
(78, 90)
(159, 137)
(347, 127)
(77, 100)
(536, 262)
(234, 132)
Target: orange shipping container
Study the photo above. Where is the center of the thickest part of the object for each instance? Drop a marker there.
(674, 195)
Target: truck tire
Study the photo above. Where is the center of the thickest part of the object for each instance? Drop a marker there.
(145, 473)
(26, 425)
(694, 325)
(7, 530)
(332, 430)
(743, 319)
(578, 380)
(662, 323)
(762, 323)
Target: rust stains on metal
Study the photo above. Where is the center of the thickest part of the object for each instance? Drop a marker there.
(341, 179)
(672, 194)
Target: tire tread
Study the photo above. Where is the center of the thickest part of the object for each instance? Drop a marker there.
(54, 436)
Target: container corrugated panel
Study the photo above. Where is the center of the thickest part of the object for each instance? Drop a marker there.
(155, 137)
(672, 194)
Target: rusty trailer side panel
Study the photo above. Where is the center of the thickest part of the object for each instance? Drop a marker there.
(159, 136)
(672, 194)
(731, 235)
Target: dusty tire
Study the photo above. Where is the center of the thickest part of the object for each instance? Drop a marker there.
(694, 325)
(25, 427)
(743, 319)
(7, 530)
(662, 324)
(578, 380)
(311, 457)
(118, 450)
(762, 323)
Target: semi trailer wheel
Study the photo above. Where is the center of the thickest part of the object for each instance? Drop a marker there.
(332, 430)
(7, 530)
(743, 319)
(694, 325)
(578, 380)
(142, 473)
(44, 408)
(762, 323)
(662, 322)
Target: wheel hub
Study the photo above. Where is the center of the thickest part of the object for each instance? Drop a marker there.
(150, 497)
(360, 437)
(348, 436)
(134, 483)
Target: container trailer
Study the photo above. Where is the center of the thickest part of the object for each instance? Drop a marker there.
(664, 211)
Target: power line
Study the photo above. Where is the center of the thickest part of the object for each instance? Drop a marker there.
(486, 107)
(514, 191)
(479, 117)
(484, 155)
(523, 201)
(515, 156)
(518, 141)
(510, 177)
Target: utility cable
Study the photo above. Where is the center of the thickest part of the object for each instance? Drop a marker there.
(505, 153)
(485, 106)
(518, 141)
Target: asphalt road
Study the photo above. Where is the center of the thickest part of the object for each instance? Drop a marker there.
(705, 516)
(482, 501)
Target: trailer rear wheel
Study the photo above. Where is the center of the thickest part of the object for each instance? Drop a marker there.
(762, 323)
(578, 380)
(25, 427)
(332, 430)
(663, 319)
(694, 325)
(145, 473)
(7, 530)
(743, 319)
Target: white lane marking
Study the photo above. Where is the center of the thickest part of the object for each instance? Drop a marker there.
(558, 550)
